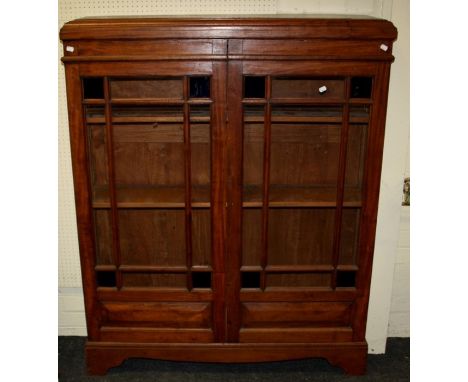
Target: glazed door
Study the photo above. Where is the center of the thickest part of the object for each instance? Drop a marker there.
(155, 138)
(298, 160)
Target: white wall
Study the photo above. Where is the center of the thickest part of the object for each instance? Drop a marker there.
(399, 320)
(71, 308)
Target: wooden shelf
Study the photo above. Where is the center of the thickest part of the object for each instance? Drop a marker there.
(360, 101)
(254, 101)
(289, 268)
(307, 101)
(153, 269)
(303, 119)
(359, 120)
(149, 111)
(146, 101)
(146, 119)
(347, 267)
(173, 197)
(299, 268)
(152, 197)
(299, 196)
(292, 112)
(200, 101)
(94, 101)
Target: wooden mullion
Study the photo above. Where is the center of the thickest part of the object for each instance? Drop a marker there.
(253, 101)
(340, 184)
(308, 101)
(317, 268)
(292, 119)
(188, 184)
(112, 188)
(93, 101)
(360, 101)
(147, 101)
(200, 101)
(266, 182)
(153, 268)
(105, 267)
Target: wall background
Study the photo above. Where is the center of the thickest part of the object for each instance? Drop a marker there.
(389, 303)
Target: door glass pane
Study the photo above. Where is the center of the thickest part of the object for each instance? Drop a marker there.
(200, 138)
(93, 88)
(305, 145)
(253, 159)
(154, 280)
(103, 237)
(200, 164)
(294, 280)
(97, 154)
(149, 155)
(147, 88)
(199, 87)
(158, 163)
(300, 236)
(286, 87)
(251, 236)
(201, 236)
(356, 153)
(301, 164)
(254, 87)
(253, 155)
(361, 87)
(349, 245)
(152, 237)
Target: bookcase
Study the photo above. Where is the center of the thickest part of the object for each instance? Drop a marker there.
(226, 175)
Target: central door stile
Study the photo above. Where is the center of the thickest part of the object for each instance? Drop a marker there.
(219, 200)
(235, 155)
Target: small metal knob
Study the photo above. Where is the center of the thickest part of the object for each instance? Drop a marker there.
(322, 89)
(384, 47)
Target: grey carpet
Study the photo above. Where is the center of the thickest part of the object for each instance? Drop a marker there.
(390, 367)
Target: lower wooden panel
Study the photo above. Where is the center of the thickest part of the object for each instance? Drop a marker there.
(298, 335)
(132, 334)
(294, 314)
(350, 356)
(298, 295)
(159, 314)
(133, 294)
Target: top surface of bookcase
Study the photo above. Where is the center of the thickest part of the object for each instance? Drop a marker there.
(245, 26)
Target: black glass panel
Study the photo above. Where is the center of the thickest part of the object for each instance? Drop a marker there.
(361, 87)
(199, 87)
(93, 87)
(250, 280)
(254, 87)
(345, 279)
(201, 280)
(105, 279)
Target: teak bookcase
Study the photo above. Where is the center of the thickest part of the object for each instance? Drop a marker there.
(226, 175)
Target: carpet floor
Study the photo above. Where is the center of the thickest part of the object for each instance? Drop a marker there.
(390, 367)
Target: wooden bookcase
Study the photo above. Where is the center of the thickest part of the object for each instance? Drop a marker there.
(226, 175)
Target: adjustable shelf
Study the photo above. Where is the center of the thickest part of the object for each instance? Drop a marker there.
(299, 196)
(152, 197)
